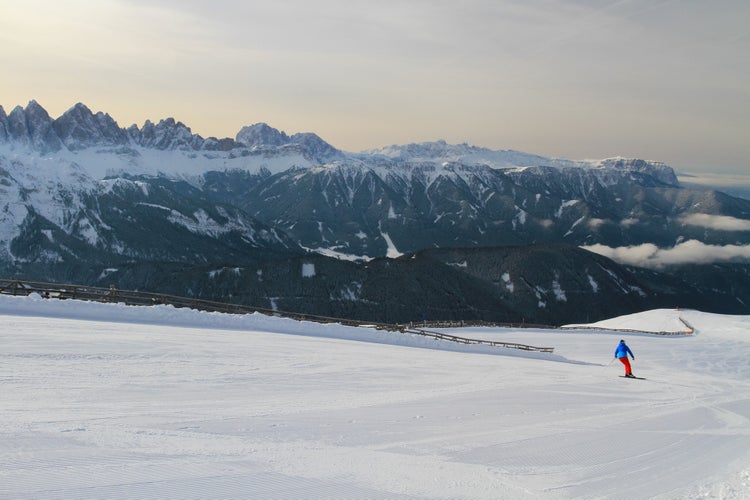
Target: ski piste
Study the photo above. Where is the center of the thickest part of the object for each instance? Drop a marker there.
(639, 378)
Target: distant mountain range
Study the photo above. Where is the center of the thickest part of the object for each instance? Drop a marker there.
(291, 222)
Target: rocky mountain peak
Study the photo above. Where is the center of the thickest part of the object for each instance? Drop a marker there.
(658, 171)
(319, 149)
(32, 126)
(261, 134)
(3, 125)
(167, 134)
(79, 128)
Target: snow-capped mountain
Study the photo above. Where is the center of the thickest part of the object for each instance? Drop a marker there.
(79, 192)
(71, 193)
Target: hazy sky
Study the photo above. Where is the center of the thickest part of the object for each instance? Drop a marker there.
(665, 80)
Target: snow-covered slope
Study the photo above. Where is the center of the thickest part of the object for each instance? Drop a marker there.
(108, 401)
(667, 321)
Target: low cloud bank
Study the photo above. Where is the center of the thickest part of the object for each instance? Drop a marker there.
(688, 252)
(717, 222)
(714, 179)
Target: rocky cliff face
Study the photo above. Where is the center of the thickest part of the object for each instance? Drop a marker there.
(78, 128)
(32, 127)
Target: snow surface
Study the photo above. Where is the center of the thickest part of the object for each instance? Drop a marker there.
(308, 270)
(111, 401)
(98, 163)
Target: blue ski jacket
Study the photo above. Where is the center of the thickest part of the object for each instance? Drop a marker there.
(623, 350)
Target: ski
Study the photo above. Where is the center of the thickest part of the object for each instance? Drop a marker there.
(638, 378)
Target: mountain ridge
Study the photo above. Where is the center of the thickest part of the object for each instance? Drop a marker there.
(79, 128)
(80, 191)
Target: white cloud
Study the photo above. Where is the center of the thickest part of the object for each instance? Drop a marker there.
(595, 223)
(717, 222)
(689, 252)
(714, 179)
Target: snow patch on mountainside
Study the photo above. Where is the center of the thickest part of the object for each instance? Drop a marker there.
(564, 205)
(308, 270)
(578, 221)
(508, 283)
(520, 218)
(329, 252)
(350, 292)
(593, 283)
(558, 291)
(216, 273)
(392, 252)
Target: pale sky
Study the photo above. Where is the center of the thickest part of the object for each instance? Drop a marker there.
(665, 80)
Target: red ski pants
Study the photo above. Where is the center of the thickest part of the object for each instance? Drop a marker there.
(625, 361)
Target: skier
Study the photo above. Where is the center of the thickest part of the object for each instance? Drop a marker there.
(621, 353)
